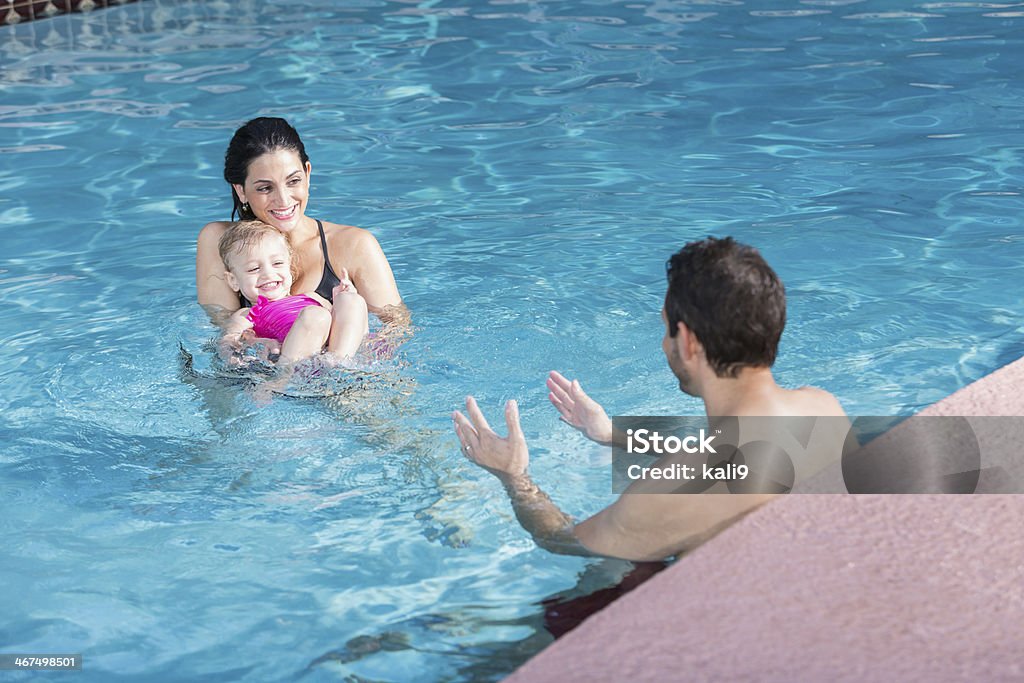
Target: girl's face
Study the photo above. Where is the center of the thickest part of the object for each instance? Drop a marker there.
(277, 189)
(264, 269)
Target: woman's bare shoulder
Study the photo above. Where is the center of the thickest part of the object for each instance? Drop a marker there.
(349, 237)
(213, 231)
(342, 229)
(215, 226)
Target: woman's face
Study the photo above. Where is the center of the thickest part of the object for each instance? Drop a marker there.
(277, 189)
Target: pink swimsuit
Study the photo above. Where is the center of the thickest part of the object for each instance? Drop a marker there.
(273, 319)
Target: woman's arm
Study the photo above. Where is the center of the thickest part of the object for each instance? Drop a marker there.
(368, 267)
(212, 290)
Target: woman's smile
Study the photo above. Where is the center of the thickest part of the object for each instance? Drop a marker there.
(284, 214)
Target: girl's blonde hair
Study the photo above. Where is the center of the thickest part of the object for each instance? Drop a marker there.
(243, 235)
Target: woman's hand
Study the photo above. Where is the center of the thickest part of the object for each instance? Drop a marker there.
(579, 410)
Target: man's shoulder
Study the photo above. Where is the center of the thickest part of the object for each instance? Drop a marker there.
(802, 402)
(818, 402)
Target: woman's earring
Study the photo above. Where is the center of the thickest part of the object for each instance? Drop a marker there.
(245, 206)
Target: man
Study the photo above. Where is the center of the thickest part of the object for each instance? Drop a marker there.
(724, 313)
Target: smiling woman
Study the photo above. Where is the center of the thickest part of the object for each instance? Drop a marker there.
(268, 170)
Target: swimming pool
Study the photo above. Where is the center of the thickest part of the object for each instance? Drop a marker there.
(528, 167)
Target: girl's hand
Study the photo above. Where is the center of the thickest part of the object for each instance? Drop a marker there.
(345, 285)
(239, 321)
(245, 348)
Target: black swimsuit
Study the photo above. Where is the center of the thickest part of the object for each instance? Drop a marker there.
(328, 281)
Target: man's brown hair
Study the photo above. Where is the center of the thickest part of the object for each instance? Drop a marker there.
(731, 299)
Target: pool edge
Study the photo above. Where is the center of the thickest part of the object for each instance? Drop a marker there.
(23, 11)
(844, 587)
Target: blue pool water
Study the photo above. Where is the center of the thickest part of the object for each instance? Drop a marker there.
(527, 167)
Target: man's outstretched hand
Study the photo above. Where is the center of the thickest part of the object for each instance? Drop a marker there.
(507, 456)
(579, 410)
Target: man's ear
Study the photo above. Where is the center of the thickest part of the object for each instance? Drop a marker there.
(232, 281)
(689, 345)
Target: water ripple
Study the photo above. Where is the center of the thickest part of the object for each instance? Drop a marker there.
(892, 15)
(30, 148)
(196, 74)
(130, 108)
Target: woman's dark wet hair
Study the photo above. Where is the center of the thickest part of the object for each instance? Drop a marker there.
(254, 139)
(731, 299)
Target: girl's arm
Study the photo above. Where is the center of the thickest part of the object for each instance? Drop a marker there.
(234, 326)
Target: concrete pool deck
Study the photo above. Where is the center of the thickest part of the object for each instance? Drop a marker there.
(829, 587)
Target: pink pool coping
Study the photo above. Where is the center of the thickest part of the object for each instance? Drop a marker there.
(829, 587)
